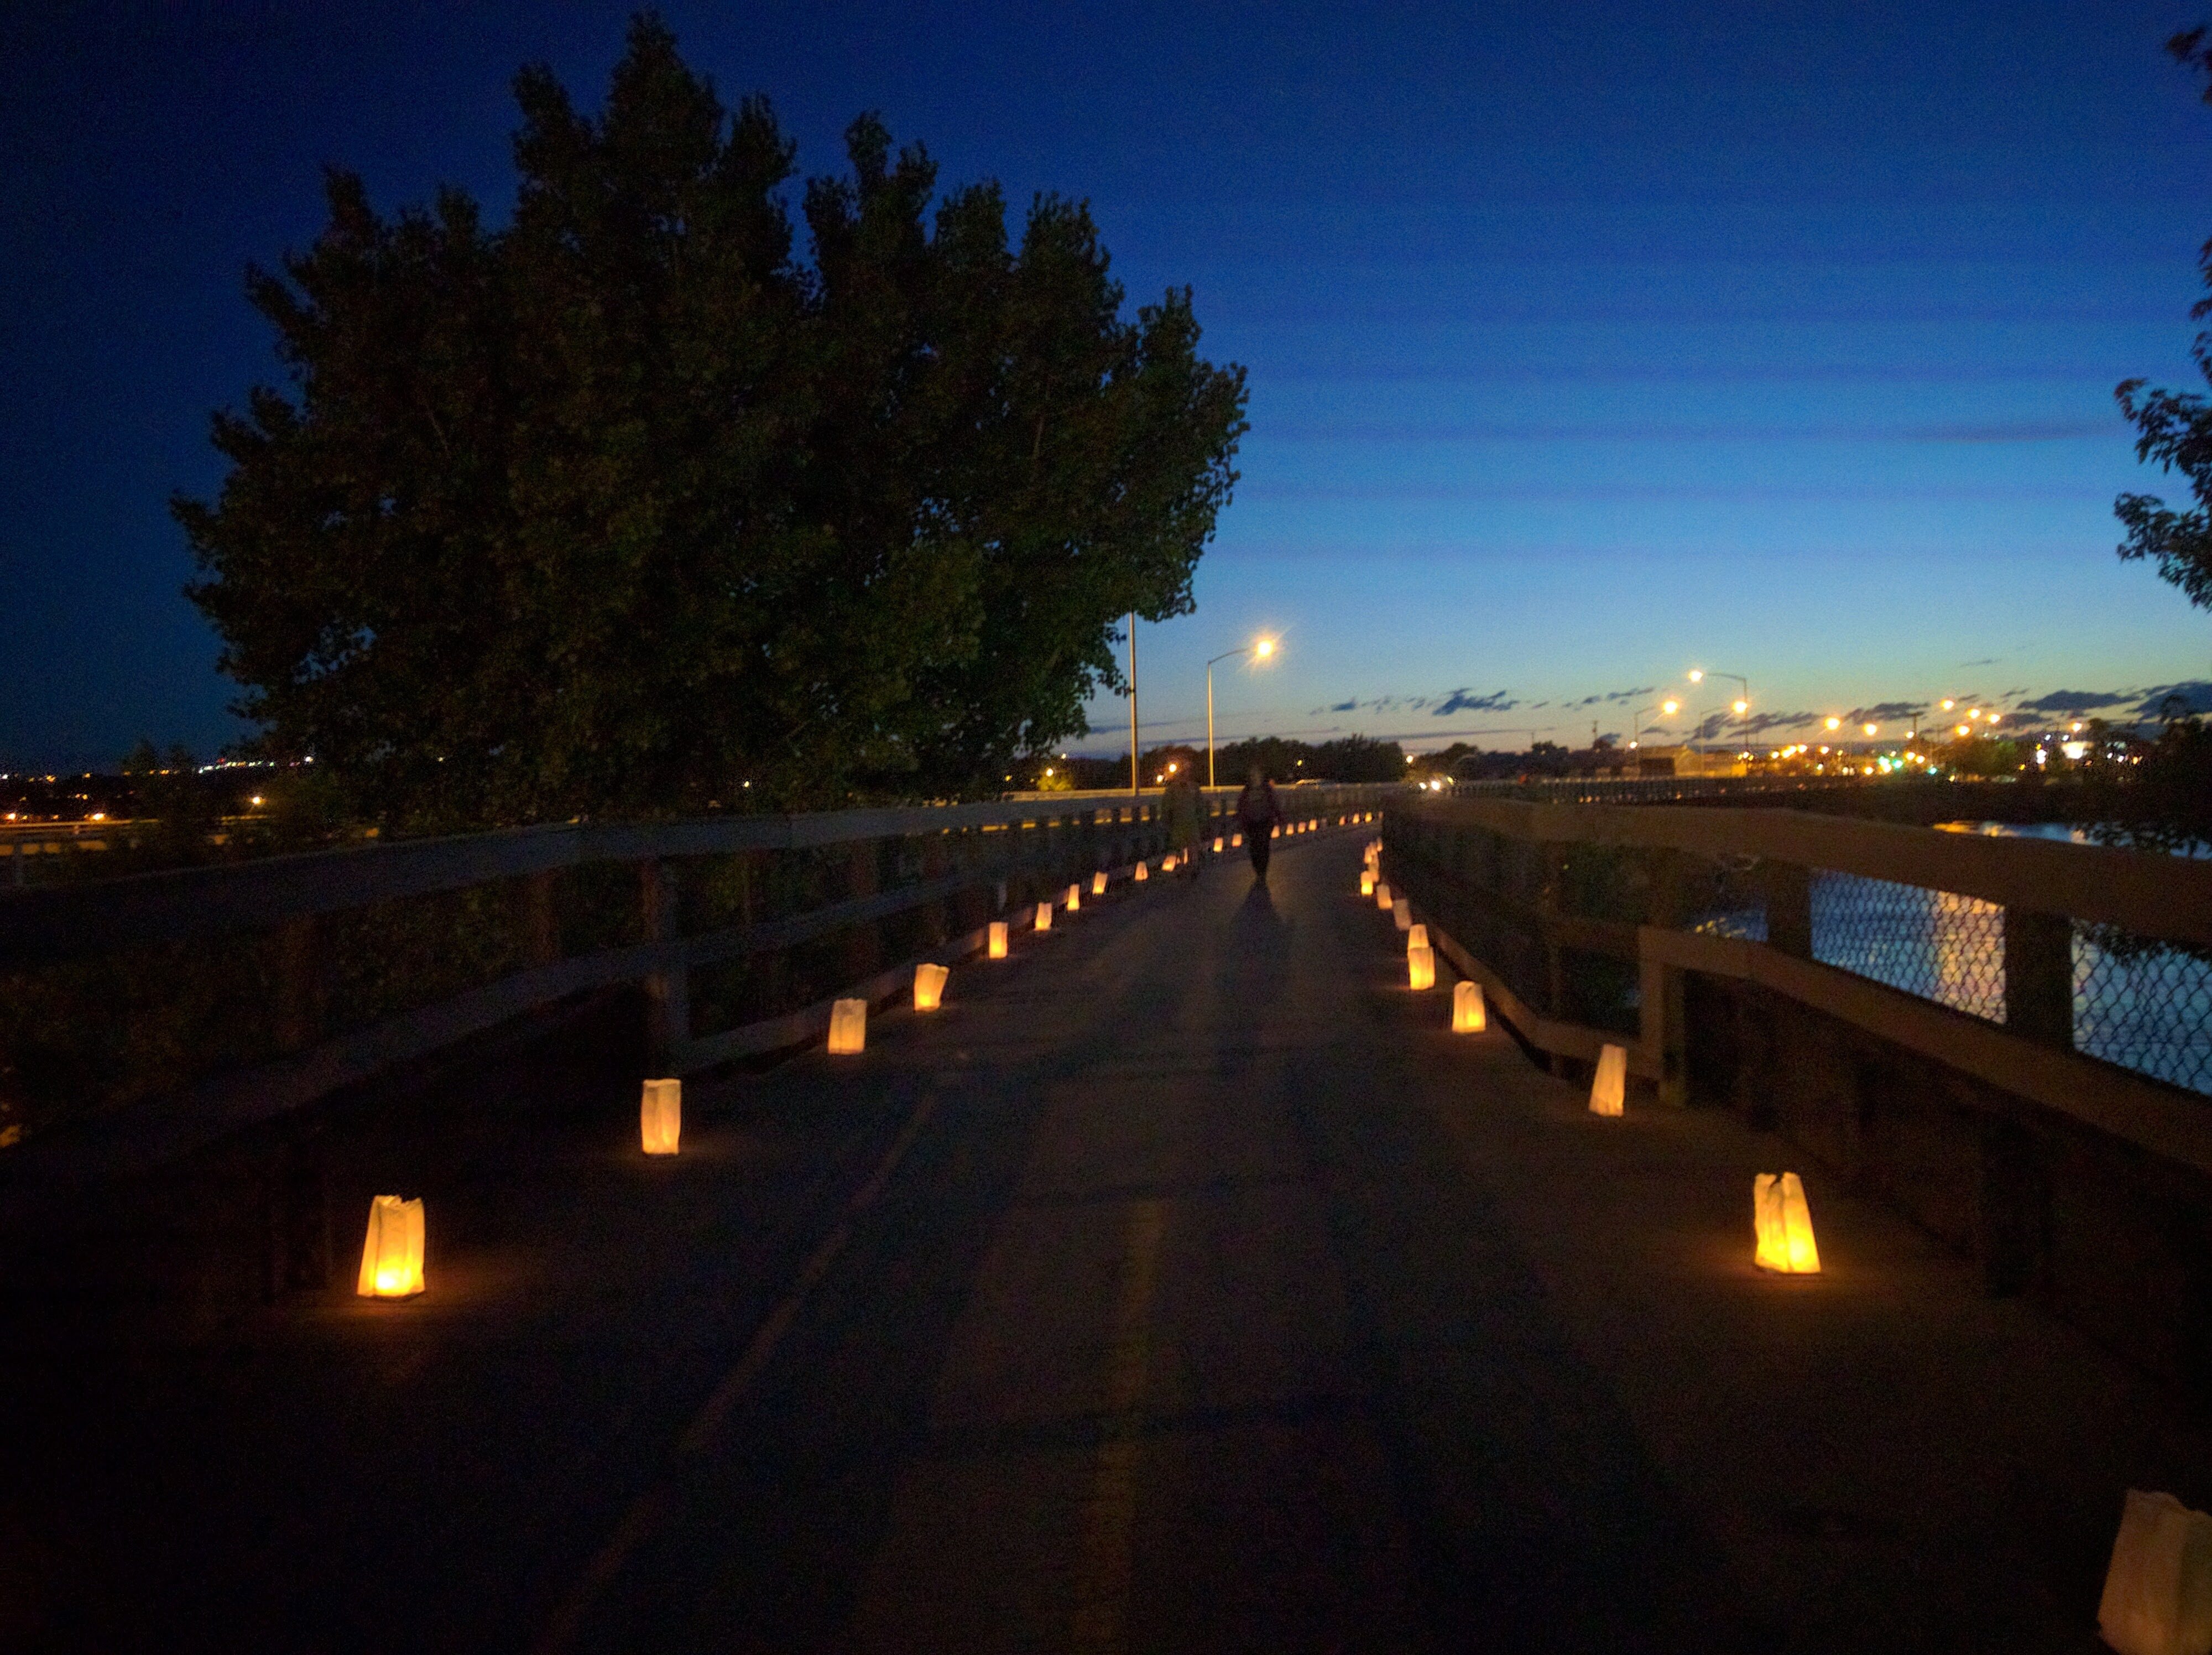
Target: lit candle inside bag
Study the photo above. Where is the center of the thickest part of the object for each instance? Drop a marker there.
(660, 1116)
(1609, 1085)
(392, 1256)
(849, 1027)
(929, 986)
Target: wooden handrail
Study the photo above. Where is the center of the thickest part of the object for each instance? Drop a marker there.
(2150, 893)
(38, 927)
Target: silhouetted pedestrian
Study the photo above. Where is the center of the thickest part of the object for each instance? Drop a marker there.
(1259, 812)
(1179, 808)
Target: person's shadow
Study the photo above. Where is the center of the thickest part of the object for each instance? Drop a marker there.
(1259, 928)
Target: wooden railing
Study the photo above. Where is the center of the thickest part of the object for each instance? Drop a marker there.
(162, 1011)
(1941, 1019)
(1531, 895)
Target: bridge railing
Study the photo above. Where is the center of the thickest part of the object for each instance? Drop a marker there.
(154, 1013)
(1647, 789)
(2100, 953)
(2003, 1033)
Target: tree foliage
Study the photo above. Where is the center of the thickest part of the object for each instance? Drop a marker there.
(2174, 428)
(629, 504)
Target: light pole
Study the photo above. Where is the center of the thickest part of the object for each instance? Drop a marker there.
(1670, 707)
(1698, 675)
(1134, 790)
(1259, 649)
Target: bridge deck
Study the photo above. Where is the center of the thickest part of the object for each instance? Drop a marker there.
(1183, 1285)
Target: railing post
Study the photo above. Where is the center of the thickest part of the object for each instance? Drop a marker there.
(1665, 1011)
(936, 863)
(2012, 1216)
(1550, 877)
(297, 1200)
(541, 918)
(2039, 975)
(864, 955)
(299, 1010)
(668, 987)
(1789, 909)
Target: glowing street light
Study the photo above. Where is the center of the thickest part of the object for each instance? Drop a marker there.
(1260, 649)
(1869, 729)
(1743, 702)
(1835, 724)
(1670, 707)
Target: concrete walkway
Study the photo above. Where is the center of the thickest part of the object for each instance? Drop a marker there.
(1183, 1285)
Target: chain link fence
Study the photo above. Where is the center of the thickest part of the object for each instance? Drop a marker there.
(1526, 907)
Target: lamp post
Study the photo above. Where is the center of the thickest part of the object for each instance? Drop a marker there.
(1259, 649)
(1699, 674)
(1670, 707)
(1134, 790)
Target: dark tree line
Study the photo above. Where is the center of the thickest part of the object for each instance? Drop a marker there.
(630, 504)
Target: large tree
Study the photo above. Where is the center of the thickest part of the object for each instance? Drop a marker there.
(627, 504)
(2174, 428)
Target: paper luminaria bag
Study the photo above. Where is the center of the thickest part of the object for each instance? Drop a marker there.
(1044, 916)
(1402, 913)
(849, 1027)
(1417, 937)
(1421, 967)
(1609, 1086)
(391, 1257)
(2158, 1590)
(1141, 874)
(1075, 898)
(1367, 882)
(1098, 884)
(1783, 1224)
(660, 1116)
(929, 986)
(1468, 1014)
(998, 939)
(1383, 896)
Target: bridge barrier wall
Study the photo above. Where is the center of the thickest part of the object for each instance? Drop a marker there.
(145, 1017)
(2011, 1039)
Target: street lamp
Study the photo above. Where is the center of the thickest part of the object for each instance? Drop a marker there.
(1259, 649)
(1134, 790)
(1699, 674)
(1670, 707)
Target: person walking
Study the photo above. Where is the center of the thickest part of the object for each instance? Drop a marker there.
(1180, 806)
(1259, 812)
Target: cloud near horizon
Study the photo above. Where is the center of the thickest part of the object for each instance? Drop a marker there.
(2076, 701)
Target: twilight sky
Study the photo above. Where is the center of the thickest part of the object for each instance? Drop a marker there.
(1587, 343)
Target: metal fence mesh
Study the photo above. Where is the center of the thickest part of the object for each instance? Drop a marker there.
(2137, 1002)
(1936, 944)
(2144, 1005)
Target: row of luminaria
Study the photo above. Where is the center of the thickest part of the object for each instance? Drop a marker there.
(391, 1252)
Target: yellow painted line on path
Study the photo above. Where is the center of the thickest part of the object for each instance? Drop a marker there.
(651, 1509)
(1109, 1516)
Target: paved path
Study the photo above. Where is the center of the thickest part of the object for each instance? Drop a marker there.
(1181, 1285)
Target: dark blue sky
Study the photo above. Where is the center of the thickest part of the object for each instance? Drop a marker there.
(1587, 343)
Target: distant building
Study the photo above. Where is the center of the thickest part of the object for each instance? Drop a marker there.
(1687, 761)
